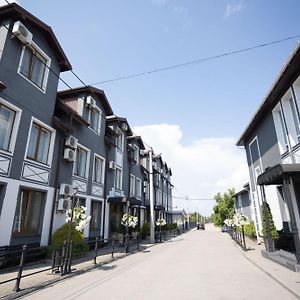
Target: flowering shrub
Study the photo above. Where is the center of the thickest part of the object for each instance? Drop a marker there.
(238, 220)
(179, 222)
(160, 222)
(130, 221)
(80, 219)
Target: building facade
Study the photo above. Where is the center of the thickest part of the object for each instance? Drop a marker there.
(56, 147)
(272, 143)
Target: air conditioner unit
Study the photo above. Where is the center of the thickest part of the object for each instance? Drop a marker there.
(71, 142)
(63, 204)
(112, 165)
(66, 189)
(69, 155)
(90, 101)
(124, 127)
(22, 33)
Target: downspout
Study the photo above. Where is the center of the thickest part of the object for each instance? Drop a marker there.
(61, 145)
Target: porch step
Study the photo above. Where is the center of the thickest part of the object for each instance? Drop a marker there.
(283, 258)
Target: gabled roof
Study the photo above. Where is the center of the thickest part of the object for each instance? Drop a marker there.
(88, 90)
(286, 78)
(14, 10)
(115, 119)
(138, 139)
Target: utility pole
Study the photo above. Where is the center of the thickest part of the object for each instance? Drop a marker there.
(151, 191)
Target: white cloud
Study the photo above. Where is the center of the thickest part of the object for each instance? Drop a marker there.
(160, 2)
(233, 9)
(200, 169)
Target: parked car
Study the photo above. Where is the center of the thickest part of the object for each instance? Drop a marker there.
(224, 228)
(202, 226)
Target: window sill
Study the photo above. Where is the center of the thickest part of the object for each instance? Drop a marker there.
(37, 163)
(32, 83)
(4, 152)
(79, 177)
(96, 132)
(22, 234)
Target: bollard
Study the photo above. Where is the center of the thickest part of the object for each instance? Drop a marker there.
(96, 251)
(244, 240)
(63, 259)
(113, 248)
(53, 260)
(19, 276)
(70, 253)
(126, 244)
(137, 242)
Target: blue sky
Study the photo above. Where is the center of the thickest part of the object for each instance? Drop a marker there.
(107, 39)
(204, 106)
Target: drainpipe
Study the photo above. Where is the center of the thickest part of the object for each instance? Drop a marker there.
(60, 153)
(151, 192)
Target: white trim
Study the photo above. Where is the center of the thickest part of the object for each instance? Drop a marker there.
(136, 151)
(87, 165)
(121, 178)
(3, 37)
(132, 192)
(51, 145)
(139, 192)
(92, 198)
(103, 168)
(47, 67)
(15, 128)
(97, 108)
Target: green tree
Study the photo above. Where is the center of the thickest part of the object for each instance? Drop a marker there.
(272, 227)
(224, 208)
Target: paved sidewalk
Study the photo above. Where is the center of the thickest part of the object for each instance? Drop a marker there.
(45, 278)
(283, 275)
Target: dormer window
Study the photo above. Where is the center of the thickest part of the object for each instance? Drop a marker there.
(34, 66)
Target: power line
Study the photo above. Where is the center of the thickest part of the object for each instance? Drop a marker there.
(193, 199)
(200, 60)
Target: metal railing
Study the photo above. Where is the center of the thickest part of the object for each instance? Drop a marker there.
(63, 256)
(238, 236)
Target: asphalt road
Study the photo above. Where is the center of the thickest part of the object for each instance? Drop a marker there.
(196, 265)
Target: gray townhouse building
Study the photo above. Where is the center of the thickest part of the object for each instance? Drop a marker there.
(31, 60)
(242, 202)
(80, 115)
(54, 145)
(272, 145)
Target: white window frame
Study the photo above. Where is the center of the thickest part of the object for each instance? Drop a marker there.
(132, 185)
(15, 128)
(97, 156)
(121, 179)
(120, 137)
(51, 145)
(136, 154)
(87, 165)
(96, 108)
(138, 190)
(47, 67)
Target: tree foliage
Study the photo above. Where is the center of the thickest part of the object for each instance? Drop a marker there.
(272, 227)
(224, 208)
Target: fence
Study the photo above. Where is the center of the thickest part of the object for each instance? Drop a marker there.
(63, 256)
(238, 236)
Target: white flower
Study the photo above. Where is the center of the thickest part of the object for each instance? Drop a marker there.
(160, 222)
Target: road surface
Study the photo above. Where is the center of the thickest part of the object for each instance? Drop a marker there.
(196, 265)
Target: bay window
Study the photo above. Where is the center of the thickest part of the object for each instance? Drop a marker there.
(138, 191)
(118, 179)
(132, 185)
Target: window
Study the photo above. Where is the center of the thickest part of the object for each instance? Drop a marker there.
(39, 143)
(95, 119)
(120, 140)
(96, 211)
(138, 191)
(118, 179)
(34, 66)
(81, 162)
(295, 116)
(98, 175)
(29, 212)
(136, 154)
(132, 185)
(7, 117)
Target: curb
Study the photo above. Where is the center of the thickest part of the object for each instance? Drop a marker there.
(267, 273)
